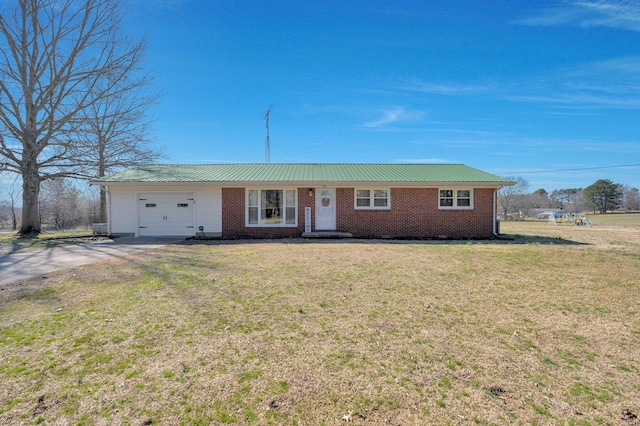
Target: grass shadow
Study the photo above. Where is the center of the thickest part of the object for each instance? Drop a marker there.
(501, 239)
(535, 239)
(14, 243)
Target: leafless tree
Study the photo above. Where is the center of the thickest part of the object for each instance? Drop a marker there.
(540, 199)
(90, 205)
(508, 194)
(60, 203)
(631, 200)
(12, 191)
(58, 58)
(116, 133)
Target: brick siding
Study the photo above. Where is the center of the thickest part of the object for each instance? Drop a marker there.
(414, 213)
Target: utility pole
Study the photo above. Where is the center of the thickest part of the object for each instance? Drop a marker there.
(267, 144)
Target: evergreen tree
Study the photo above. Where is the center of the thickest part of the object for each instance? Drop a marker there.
(603, 195)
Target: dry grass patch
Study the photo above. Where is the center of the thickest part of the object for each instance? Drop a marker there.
(13, 242)
(314, 333)
(610, 231)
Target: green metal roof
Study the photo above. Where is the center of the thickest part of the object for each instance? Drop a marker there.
(303, 173)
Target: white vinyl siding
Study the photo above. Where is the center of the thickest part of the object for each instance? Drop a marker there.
(123, 205)
(209, 210)
(122, 211)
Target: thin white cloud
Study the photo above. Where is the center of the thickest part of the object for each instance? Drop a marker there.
(625, 67)
(395, 115)
(609, 84)
(575, 100)
(619, 14)
(450, 89)
(613, 83)
(387, 117)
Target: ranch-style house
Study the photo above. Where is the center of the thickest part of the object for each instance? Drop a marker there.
(267, 200)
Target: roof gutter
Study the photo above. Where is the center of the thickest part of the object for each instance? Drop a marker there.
(341, 184)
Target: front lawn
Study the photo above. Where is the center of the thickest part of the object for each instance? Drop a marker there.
(523, 331)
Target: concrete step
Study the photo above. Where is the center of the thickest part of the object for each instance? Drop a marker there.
(327, 234)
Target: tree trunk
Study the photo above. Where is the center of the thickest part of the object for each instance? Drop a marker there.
(30, 208)
(102, 209)
(14, 219)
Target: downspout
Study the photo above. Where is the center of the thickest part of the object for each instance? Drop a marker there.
(106, 188)
(495, 210)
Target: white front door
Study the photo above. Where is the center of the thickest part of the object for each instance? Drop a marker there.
(325, 209)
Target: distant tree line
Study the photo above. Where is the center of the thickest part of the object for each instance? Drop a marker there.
(62, 205)
(603, 196)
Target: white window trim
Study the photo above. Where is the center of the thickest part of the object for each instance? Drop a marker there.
(267, 225)
(455, 199)
(371, 205)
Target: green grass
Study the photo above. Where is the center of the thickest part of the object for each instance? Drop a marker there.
(13, 242)
(308, 333)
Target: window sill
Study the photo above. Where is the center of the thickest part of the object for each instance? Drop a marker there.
(373, 208)
(270, 226)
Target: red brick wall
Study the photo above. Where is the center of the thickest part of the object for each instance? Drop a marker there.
(414, 214)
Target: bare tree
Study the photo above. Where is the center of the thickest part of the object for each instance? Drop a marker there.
(60, 204)
(58, 58)
(90, 201)
(116, 133)
(508, 194)
(631, 198)
(13, 192)
(523, 203)
(540, 199)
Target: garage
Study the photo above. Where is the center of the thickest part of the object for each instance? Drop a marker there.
(166, 213)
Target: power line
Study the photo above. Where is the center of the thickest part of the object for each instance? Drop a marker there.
(573, 170)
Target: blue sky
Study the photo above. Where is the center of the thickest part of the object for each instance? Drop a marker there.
(546, 90)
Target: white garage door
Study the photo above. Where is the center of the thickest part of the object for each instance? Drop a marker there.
(165, 213)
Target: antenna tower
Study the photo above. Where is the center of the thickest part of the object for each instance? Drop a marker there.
(267, 143)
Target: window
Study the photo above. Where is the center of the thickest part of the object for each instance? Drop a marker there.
(150, 205)
(372, 199)
(456, 199)
(271, 207)
(183, 204)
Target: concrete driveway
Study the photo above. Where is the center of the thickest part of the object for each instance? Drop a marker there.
(18, 266)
